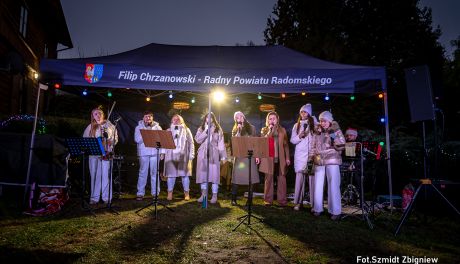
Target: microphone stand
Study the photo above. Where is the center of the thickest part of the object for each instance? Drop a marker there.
(110, 156)
(155, 201)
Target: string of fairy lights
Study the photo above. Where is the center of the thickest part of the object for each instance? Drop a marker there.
(149, 96)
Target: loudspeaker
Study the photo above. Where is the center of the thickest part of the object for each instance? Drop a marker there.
(418, 83)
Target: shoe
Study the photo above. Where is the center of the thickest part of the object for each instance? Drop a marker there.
(170, 196)
(234, 203)
(297, 207)
(267, 204)
(214, 198)
(92, 202)
(139, 198)
(186, 196)
(203, 194)
(335, 217)
(316, 214)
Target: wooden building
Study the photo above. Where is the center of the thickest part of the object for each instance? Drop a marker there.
(29, 31)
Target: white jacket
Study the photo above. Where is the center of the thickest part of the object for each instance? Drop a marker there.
(302, 148)
(142, 150)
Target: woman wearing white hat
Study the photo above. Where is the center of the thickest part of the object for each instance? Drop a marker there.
(301, 137)
(327, 145)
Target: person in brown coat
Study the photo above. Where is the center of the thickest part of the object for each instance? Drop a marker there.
(275, 166)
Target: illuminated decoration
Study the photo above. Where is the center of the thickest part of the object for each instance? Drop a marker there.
(170, 95)
(259, 96)
(193, 100)
(381, 143)
(382, 120)
(147, 99)
(36, 75)
(283, 95)
(218, 96)
(352, 98)
(85, 92)
(237, 100)
(267, 108)
(327, 97)
(57, 86)
(181, 105)
(381, 95)
(8, 123)
(109, 94)
(304, 93)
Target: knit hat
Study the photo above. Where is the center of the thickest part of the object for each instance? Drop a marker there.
(306, 108)
(236, 113)
(326, 115)
(351, 131)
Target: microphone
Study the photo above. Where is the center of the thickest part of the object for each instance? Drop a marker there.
(305, 126)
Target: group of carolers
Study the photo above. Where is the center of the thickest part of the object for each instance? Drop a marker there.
(320, 142)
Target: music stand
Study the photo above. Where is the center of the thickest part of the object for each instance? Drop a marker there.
(157, 139)
(85, 146)
(248, 147)
(109, 203)
(364, 207)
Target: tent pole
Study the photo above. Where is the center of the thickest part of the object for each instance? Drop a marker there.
(387, 137)
(32, 141)
(208, 119)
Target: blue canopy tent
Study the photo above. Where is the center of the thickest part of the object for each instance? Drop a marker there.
(252, 69)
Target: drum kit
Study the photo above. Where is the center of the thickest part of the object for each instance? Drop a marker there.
(353, 168)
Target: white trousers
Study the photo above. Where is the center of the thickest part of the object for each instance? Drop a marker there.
(311, 188)
(214, 188)
(333, 189)
(99, 171)
(147, 164)
(299, 190)
(185, 183)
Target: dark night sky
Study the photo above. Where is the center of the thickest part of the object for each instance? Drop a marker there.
(108, 26)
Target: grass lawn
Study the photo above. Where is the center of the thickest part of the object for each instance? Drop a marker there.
(191, 234)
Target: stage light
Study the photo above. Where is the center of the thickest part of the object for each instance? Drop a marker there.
(85, 92)
(193, 100)
(259, 96)
(170, 95)
(57, 86)
(380, 95)
(147, 99)
(237, 99)
(381, 143)
(352, 98)
(304, 93)
(218, 96)
(109, 94)
(382, 120)
(283, 95)
(327, 97)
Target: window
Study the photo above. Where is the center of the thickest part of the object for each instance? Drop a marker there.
(23, 21)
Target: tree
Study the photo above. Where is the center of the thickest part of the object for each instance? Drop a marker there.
(452, 92)
(395, 34)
